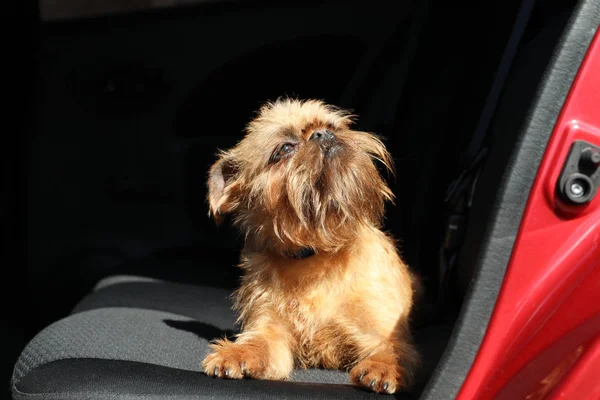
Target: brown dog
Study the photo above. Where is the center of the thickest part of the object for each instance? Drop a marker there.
(323, 285)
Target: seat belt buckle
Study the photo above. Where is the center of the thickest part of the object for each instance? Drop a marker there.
(454, 231)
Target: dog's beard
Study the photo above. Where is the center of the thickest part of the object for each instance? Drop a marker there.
(318, 199)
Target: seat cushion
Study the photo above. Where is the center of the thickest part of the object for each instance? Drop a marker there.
(208, 304)
(136, 336)
(146, 339)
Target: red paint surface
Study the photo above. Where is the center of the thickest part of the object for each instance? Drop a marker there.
(543, 338)
(582, 382)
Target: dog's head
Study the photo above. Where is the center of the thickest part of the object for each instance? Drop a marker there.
(301, 178)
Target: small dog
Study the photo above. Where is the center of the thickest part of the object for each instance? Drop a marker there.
(323, 285)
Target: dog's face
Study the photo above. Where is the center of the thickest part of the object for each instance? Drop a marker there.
(300, 178)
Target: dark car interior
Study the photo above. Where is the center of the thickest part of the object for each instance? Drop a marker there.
(123, 276)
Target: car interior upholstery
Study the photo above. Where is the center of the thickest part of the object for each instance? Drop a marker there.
(128, 279)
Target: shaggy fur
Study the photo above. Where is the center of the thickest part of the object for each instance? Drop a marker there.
(345, 307)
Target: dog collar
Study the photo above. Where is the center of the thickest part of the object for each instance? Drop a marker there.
(303, 253)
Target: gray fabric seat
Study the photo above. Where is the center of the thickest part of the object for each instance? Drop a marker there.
(139, 338)
(151, 331)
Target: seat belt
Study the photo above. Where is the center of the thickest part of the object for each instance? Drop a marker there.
(459, 195)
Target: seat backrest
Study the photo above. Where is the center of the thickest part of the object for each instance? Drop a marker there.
(425, 97)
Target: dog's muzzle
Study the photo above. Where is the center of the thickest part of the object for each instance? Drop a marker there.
(326, 140)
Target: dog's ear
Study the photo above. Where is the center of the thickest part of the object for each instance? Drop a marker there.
(223, 187)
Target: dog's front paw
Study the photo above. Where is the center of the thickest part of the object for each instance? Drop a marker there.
(378, 376)
(235, 361)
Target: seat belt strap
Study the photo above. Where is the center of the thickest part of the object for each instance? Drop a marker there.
(460, 192)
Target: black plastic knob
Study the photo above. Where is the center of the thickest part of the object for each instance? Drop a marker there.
(590, 158)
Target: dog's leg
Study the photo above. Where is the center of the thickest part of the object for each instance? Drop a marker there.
(262, 351)
(387, 365)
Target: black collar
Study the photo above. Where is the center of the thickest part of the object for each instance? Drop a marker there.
(303, 253)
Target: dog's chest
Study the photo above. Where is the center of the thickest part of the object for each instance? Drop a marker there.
(317, 330)
(306, 310)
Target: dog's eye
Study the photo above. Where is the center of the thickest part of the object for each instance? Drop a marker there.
(282, 151)
(286, 148)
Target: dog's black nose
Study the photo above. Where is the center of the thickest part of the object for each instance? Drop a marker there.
(323, 135)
